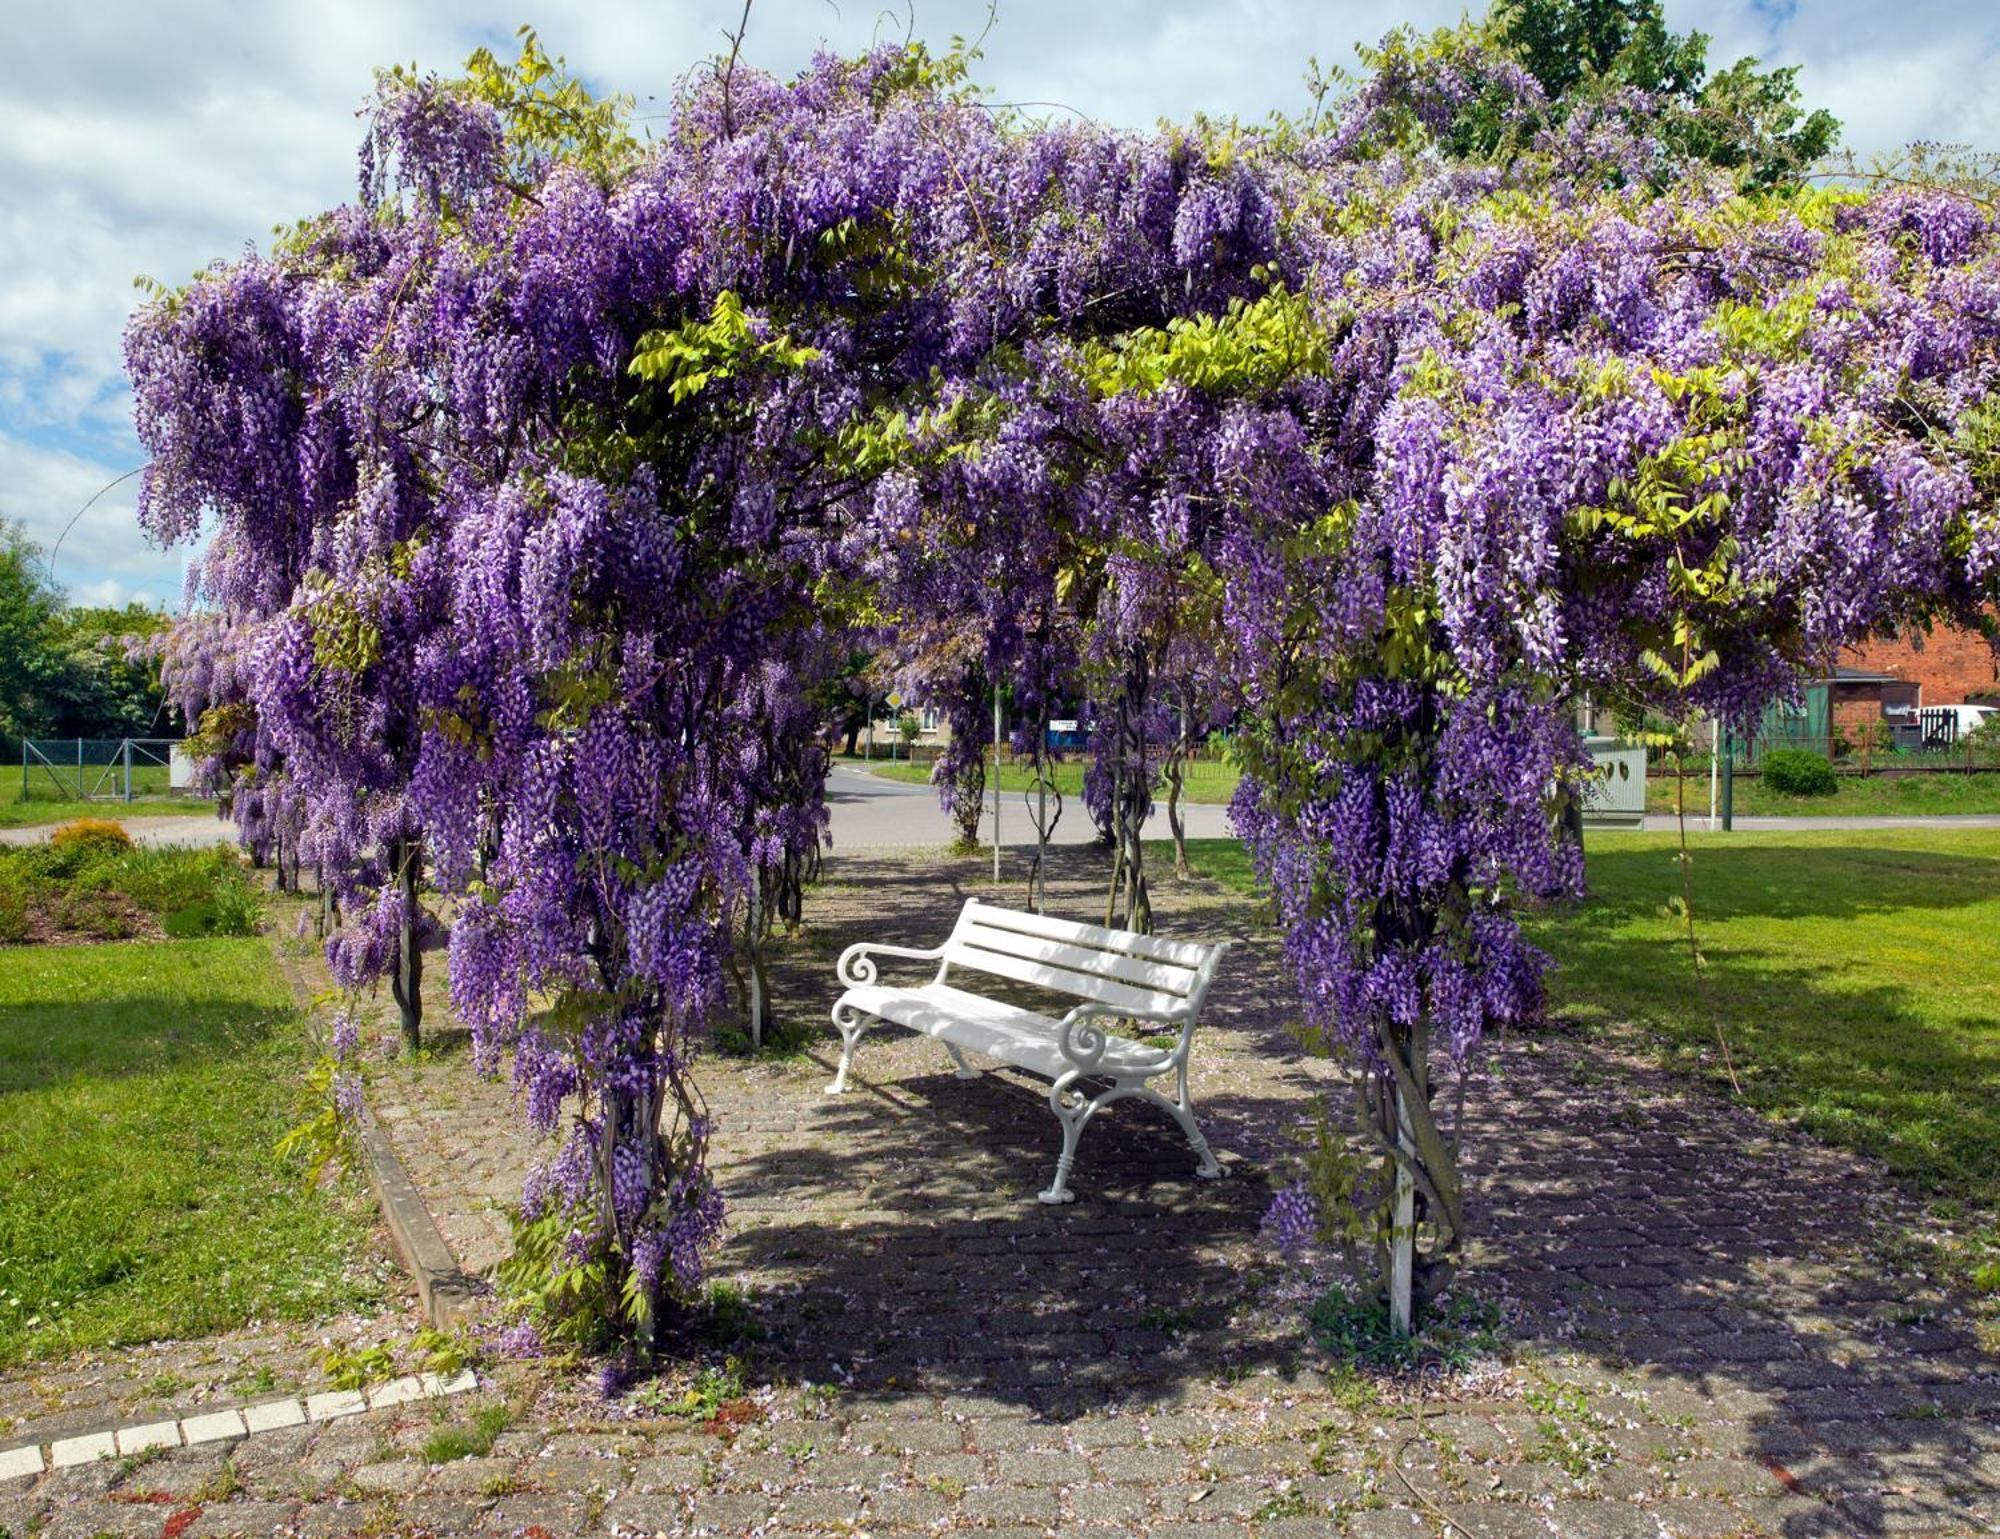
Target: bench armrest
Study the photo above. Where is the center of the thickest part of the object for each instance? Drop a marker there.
(857, 966)
(1082, 1041)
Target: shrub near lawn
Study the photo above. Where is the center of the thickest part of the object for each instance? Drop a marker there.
(90, 886)
(142, 1087)
(1794, 772)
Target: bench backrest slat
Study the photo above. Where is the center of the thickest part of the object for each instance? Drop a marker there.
(1156, 948)
(1161, 977)
(1133, 972)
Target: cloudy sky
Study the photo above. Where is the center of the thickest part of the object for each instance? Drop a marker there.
(151, 136)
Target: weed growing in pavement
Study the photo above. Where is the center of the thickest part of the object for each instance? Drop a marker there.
(469, 1440)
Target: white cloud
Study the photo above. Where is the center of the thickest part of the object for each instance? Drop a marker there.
(93, 543)
(156, 135)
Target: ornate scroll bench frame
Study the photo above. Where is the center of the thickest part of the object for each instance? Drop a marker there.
(1115, 974)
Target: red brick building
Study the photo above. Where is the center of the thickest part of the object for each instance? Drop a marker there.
(1951, 666)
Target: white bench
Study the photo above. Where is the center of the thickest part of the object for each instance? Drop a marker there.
(1117, 975)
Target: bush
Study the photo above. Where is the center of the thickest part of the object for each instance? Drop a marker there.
(1795, 772)
(84, 838)
(107, 891)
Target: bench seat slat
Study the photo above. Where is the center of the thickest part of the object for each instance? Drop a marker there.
(1064, 980)
(1153, 948)
(1158, 977)
(1008, 1033)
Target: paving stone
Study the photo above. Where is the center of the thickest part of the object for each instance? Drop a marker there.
(1106, 1432)
(394, 1477)
(838, 1469)
(908, 1436)
(20, 1464)
(1214, 1499)
(102, 1520)
(554, 1512)
(1695, 1517)
(1150, 1465)
(575, 1474)
(1107, 1503)
(1603, 1520)
(817, 1511)
(1042, 1468)
(1387, 1523)
(727, 1514)
(1006, 1504)
(964, 1469)
(1491, 1520)
(910, 1508)
(249, 1520)
(667, 1472)
(1725, 1477)
(644, 1514)
(438, 1513)
(474, 1473)
(1260, 1459)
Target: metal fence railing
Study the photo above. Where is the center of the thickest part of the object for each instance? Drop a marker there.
(1850, 751)
(84, 769)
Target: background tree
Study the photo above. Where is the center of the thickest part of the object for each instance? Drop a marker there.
(31, 667)
(72, 672)
(1535, 73)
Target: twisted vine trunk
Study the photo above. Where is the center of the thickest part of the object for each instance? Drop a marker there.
(1176, 775)
(406, 978)
(756, 966)
(1421, 1223)
(968, 805)
(1043, 816)
(1130, 904)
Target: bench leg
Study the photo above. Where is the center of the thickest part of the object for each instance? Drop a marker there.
(852, 1025)
(1072, 1109)
(965, 1070)
(1181, 1109)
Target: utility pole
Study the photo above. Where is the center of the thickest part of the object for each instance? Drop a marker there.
(996, 785)
(1728, 781)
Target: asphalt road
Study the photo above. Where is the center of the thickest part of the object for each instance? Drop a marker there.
(870, 811)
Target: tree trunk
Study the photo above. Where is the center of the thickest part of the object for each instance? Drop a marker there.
(406, 979)
(328, 919)
(968, 805)
(1131, 790)
(757, 991)
(1176, 825)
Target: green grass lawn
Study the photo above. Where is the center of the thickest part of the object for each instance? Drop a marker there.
(1924, 795)
(1208, 780)
(142, 1086)
(1855, 973)
(37, 811)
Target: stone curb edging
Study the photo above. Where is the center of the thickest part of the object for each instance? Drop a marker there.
(444, 1290)
(229, 1425)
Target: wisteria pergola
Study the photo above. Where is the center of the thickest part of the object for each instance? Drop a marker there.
(555, 480)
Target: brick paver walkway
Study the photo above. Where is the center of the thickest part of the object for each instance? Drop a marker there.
(1707, 1334)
